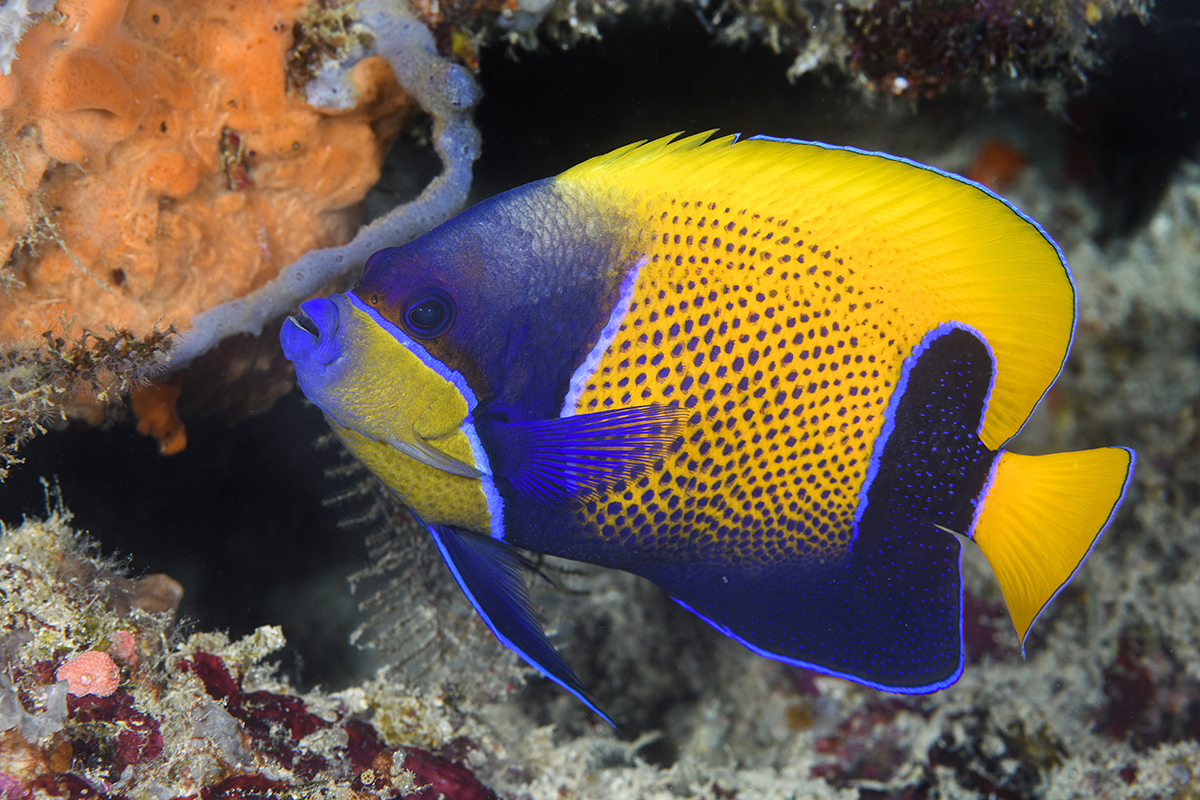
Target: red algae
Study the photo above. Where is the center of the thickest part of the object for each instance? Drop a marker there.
(920, 48)
(439, 777)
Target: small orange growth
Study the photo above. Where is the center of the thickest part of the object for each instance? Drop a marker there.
(154, 406)
(60, 757)
(154, 163)
(997, 164)
(92, 672)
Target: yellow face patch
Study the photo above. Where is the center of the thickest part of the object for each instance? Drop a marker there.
(398, 415)
(435, 496)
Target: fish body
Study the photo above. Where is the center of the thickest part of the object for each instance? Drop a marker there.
(770, 376)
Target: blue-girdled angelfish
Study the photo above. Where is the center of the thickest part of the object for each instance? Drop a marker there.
(771, 376)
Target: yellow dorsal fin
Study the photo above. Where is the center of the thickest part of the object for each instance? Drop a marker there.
(932, 247)
(638, 153)
(1041, 516)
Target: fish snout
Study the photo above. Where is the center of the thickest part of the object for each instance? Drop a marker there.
(310, 335)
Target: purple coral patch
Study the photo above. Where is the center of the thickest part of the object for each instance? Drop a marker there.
(439, 777)
(864, 745)
(364, 745)
(1151, 698)
(278, 722)
(212, 673)
(262, 714)
(134, 737)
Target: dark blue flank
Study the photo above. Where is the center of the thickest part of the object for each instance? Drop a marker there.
(532, 284)
(891, 416)
(892, 611)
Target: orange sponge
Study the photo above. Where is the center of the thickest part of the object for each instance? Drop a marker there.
(154, 406)
(154, 162)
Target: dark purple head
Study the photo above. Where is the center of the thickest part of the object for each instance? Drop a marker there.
(509, 293)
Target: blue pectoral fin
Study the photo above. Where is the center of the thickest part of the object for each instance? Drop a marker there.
(491, 575)
(553, 460)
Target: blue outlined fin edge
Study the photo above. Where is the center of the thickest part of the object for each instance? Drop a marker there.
(492, 577)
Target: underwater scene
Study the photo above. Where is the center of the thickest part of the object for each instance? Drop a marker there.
(720, 399)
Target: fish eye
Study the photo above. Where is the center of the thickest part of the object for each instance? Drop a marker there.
(428, 313)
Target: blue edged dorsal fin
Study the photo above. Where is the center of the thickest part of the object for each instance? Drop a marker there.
(492, 576)
(552, 460)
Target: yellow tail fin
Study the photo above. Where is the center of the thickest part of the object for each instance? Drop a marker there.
(1040, 517)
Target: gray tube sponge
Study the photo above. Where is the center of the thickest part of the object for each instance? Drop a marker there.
(448, 93)
(16, 17)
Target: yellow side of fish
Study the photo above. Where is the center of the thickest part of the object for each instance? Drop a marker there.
(870, 251)
(981, 268)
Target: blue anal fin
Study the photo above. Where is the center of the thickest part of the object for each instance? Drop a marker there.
(553, 460)
(493, 579)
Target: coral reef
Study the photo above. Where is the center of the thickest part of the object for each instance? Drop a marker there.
(1106, 705)
(910, 49)
(919, 49)
(182, 717)
(915, 49)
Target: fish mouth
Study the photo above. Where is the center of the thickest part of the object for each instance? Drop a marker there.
(310, 334)
(306, 322)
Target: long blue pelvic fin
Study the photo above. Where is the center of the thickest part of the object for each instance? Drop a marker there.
(492, 576)
(553, 460)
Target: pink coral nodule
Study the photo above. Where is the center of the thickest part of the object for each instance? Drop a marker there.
(124, 647)
(92, 672)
